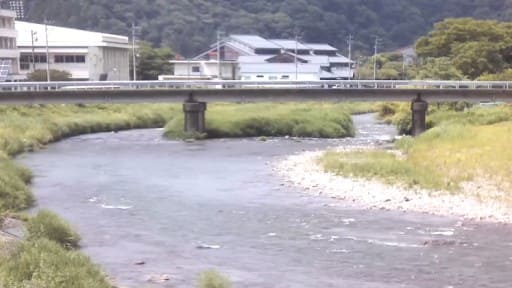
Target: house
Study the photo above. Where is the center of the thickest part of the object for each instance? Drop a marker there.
(9, 54)
(241, 56)
(86, 55)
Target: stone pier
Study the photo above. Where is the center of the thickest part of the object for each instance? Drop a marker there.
(194, 116)
(419, 109)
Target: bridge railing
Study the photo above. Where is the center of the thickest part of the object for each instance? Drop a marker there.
(237, 84)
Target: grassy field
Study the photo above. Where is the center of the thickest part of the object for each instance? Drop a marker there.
(273, 119)
(461, 146)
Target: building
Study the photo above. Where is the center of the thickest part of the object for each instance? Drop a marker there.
(251, 57)
(86, 55)
(9, 54)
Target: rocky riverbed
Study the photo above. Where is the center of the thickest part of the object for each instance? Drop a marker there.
(302, 170)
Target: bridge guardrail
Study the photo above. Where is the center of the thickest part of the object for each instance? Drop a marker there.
(237, 84)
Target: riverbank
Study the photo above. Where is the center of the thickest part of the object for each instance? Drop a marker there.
(458, 168)
(29, 128)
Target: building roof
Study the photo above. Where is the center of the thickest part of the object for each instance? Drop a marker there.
(289, 44)
(255, 42)
(66, 37)
(279, 68)
(339, 59)
(320, 47)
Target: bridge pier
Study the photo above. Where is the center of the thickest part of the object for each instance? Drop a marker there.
(194, 115)
(419, 109)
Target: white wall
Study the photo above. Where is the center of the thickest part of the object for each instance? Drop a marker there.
(279, 76)
(206, 68)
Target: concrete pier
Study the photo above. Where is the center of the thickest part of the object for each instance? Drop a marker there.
(419, 109)
(194, 116)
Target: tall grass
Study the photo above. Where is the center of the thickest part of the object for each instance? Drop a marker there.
(462, 146)
(265, 119)
(48, 225)
(44, 263)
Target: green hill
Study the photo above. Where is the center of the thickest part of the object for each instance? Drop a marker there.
(188, 26)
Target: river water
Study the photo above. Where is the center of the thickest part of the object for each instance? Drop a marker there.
(183, 208)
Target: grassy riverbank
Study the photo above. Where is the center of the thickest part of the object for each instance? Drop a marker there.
(465, 152)
(46, 258)
(319, 120)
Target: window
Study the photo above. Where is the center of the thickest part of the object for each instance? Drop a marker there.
(196, 69)
(285, 76)
(260, 76)
(69, 58)
(80, 58)
(38, 58)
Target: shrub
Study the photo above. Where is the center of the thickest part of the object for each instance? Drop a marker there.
(213, 279)
(48, 225)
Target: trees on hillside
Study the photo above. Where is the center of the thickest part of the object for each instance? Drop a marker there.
(474, 47)
(189, 26)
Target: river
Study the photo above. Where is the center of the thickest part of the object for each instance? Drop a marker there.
(182, 208)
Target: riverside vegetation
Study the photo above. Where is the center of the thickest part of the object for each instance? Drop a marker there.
(47, 257)
(292, 119)
(465, 146)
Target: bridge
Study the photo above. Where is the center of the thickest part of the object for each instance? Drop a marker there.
(195, 94)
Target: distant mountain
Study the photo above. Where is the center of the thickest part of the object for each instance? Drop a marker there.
(189, 26)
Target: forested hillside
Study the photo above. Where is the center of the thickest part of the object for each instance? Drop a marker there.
(188, 26)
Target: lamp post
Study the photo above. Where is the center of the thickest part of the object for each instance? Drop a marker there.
(33, 35)
(220, 35)
(134, 57)
(377, 39)
(48, 79)
(349, 40)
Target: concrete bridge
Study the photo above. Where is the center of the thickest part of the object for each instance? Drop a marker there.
(195, 94)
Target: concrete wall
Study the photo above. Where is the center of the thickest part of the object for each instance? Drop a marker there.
(112, 61)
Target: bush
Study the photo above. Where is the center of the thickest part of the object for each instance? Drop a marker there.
(212, 279)
(44, 263)
(48, 225)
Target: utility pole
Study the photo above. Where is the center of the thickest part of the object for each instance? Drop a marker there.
(377, 40)
(134, 58)
(296, 63)
(350, 39)
(33, 34)
(46, 22)
(220, 36)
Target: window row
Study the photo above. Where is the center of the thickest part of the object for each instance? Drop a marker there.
(7, 43)
(41, 58)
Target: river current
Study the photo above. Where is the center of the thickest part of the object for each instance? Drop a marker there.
(178, 209)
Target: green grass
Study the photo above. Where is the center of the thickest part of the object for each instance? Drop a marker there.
(48, 225)
(44, 263)
(469, 145)
(291, 119)
(213, 279)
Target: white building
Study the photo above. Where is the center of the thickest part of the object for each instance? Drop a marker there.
(9, 54)
(86, 55)
(281, 58)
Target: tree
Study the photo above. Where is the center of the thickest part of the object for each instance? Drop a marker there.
(475, 47)
(55, 75)
(438, 69)
(152, 62)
